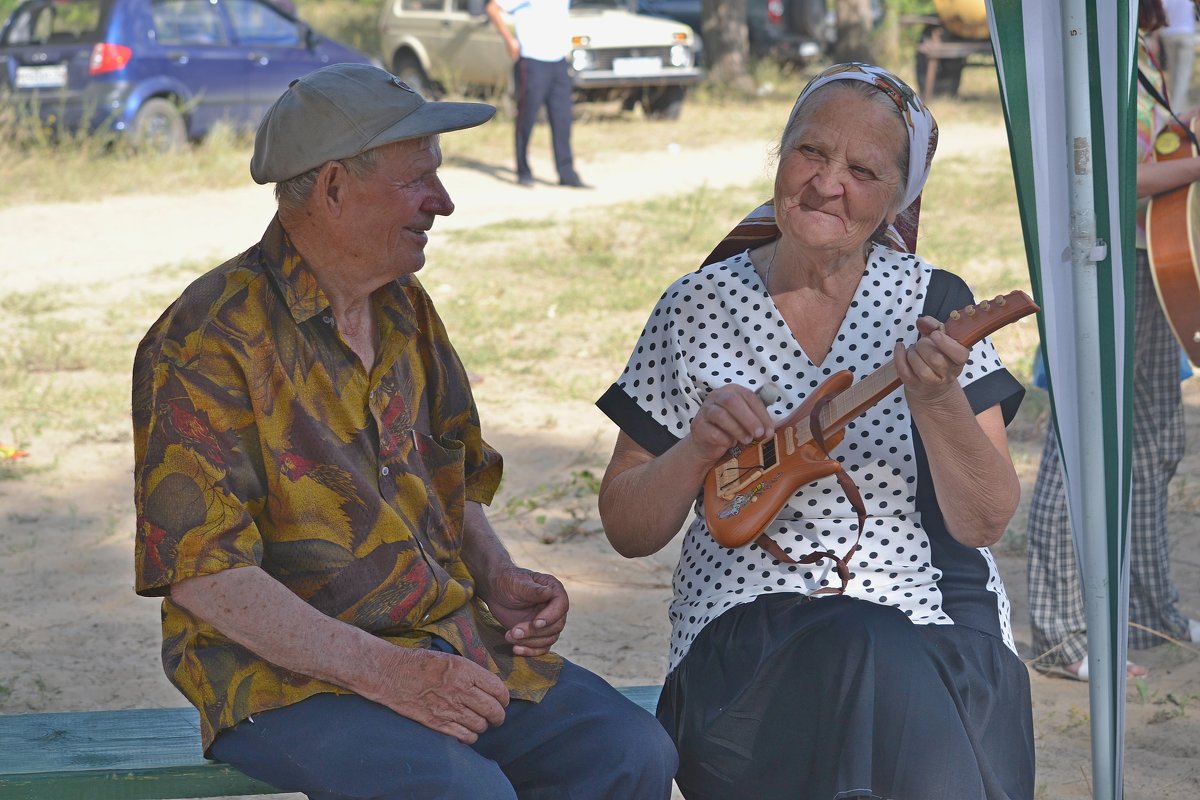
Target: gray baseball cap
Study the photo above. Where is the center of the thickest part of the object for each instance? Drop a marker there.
(342, 110)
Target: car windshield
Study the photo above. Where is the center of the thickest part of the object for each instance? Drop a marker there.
(57, 22)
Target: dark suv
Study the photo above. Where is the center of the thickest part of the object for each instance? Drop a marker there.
(790, 31)
(157, 71)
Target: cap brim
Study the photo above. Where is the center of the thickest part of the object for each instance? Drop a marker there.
(434, 118)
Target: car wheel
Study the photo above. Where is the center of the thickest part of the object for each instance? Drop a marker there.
(407, 68)
(949, 70)
(158, 127)
(663, 102)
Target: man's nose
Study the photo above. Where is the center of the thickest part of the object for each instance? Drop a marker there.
(439, 201)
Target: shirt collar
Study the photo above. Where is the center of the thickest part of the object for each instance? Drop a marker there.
(306, 299)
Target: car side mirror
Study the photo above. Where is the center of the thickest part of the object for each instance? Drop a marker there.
(311, 37)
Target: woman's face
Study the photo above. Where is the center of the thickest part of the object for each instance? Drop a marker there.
(839, 174)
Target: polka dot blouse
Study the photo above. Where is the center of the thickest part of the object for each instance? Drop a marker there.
(717, 326)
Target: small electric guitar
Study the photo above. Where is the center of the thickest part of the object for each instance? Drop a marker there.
(1173, 237)
(744, 492)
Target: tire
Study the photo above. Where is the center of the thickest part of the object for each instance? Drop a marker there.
(407, 68)
(158, 127)
(663, 102)
(807, 18)
(949, 70)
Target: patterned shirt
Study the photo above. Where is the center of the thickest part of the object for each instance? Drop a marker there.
(1150, 120)
(719, 325)
(260, 439)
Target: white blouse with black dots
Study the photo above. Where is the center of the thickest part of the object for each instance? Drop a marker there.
(718, 326)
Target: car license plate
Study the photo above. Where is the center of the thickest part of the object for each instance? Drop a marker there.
(49, 76)
(637, 66)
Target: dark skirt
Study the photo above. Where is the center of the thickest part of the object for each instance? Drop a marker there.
(795, 698)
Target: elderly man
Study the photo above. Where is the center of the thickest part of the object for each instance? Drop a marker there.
(309, 480)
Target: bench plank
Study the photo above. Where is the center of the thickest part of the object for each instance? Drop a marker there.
(135, 754)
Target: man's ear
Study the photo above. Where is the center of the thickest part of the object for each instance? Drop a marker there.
(331, 187)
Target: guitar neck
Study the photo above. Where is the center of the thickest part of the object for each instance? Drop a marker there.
(967, 326)
(859, 397)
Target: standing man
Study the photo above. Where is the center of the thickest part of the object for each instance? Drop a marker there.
(541, 78)
(310, 476)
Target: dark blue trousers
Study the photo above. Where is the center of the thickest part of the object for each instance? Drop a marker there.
(584, 741)
(538, 84)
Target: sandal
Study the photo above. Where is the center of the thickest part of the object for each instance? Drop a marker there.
(1079, 670)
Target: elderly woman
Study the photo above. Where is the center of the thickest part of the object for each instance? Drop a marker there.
(802, 666)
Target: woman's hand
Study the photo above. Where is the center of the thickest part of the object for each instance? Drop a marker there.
(930, 368)
(645, 499)
(730, 415)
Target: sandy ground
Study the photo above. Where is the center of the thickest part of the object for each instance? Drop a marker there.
(74, 636)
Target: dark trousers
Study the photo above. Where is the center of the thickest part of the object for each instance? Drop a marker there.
(544, 83)
(584, 741)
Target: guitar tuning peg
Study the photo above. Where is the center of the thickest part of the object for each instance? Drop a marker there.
(985, 305)
(1000, 300)
(955, 315)
(970, 311)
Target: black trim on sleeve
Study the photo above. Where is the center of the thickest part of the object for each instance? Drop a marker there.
(1000, 387)
(635, 422)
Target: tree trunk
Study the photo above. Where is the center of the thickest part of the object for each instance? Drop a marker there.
(727, 43)
(853, 31)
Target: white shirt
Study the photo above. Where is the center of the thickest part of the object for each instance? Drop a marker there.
(541, 27)
(1181, 16)
(719, 325)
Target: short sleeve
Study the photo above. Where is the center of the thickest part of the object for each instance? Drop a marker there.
(654, 400)
(195, 482)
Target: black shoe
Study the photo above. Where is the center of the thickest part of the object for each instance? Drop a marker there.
(574, 183)
(525, 180)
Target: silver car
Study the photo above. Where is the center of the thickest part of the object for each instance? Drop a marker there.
(439, 45)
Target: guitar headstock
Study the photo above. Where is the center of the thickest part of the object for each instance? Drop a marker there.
(970, 324)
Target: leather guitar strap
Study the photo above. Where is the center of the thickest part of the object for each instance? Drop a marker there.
(842, 564)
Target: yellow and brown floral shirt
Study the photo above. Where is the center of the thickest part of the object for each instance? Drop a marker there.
(260, 439)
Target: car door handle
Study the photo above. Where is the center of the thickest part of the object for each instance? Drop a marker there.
(178, 56)
(261, 58)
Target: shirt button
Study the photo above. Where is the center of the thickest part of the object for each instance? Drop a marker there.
(384, 471)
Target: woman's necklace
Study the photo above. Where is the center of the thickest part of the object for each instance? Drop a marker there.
(767, 272)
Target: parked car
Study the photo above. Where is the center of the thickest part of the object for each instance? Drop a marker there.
(787, 30)
(615, 54)
(159, 72)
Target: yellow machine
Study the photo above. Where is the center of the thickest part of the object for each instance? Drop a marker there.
(966, 19)
(958, 31)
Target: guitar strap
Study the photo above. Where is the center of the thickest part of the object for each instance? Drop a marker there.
(1153, 91)
(842, 563)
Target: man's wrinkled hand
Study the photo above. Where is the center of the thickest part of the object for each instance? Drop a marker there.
(444, 692)
(532, 606)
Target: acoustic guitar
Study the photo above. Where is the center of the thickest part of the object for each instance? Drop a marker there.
(1173, 238)
(744, 492)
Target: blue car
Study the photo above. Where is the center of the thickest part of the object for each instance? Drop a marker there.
(158, 72)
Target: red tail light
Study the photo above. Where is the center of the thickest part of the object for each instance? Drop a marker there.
(775, 11)
(108, 58)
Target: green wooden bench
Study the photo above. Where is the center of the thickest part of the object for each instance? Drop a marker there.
(137, 754)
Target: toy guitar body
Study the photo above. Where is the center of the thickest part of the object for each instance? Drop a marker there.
(745, 491)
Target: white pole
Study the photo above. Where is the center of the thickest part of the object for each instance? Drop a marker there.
(1092, 529)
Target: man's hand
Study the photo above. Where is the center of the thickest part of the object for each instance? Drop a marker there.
(531, 605)
(443, 691)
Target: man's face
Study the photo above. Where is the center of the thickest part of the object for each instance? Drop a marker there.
(390, 211)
